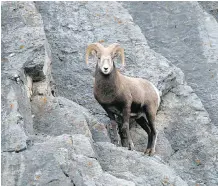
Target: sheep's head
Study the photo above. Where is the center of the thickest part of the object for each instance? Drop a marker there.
(105, 56)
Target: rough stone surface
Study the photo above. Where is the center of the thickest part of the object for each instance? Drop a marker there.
(189, 40)
(211, 7)
(49, 140)
(84, 23)
(191, 135)
(22, 35)
(59, 161)
(130, 165)
(52, 117)
(57, 115)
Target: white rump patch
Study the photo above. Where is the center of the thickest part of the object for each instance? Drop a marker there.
(157, 92)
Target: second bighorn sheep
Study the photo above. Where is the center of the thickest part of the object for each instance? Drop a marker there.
(124, 96)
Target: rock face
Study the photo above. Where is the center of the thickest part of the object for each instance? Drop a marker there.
(210, 7)
(54, 132)
(19, 46)
(85, 23)
(189, 40)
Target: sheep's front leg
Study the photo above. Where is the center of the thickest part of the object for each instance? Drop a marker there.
(125, 128)
(114, 125)
(115, 132)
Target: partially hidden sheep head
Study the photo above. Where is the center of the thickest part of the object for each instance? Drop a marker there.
(105, 56)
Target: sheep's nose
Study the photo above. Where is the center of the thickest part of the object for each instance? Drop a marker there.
(105, 68)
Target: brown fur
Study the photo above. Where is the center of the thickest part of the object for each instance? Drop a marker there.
(128, 97)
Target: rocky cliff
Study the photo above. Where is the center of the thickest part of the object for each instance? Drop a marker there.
(53, 130)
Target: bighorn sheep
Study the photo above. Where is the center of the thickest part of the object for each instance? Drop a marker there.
(124, 96)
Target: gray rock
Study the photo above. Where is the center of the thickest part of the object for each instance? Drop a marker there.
(59, 160)
(64, 151)
(192, 137)
(22, 35)
(57, 115)
(52, 117)
(40, 165)
(187, 36)
(182, 118)
(98, 130)
(14, 135)
(211, 7)
(69, 33)
(138, 53)
(136, 167)
(116, 26)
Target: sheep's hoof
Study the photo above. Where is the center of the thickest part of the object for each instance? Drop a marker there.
(116, 142)
(147, 151)
(150, 152)
(131, 146)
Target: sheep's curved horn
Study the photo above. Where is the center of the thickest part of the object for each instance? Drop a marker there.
(115, 48)
(94, 46)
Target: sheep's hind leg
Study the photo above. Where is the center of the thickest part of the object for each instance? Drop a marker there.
(144, 124)
(150, 114)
